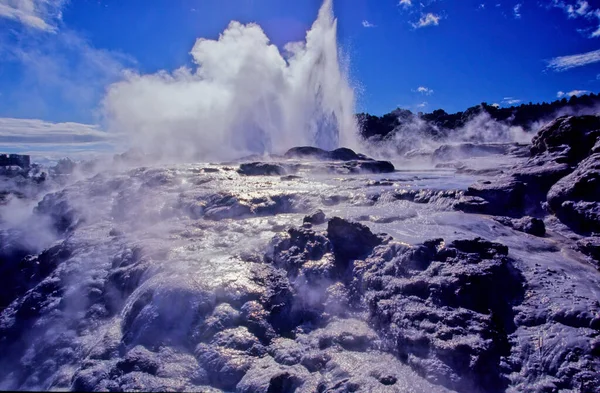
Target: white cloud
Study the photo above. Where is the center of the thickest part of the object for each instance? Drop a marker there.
(423, 90)
(517, 10)
(563, 63)
(60, 71)
(580, 9)
(428, 19)
(37, 14)
(496, 105)
(572, 93)
(366, 23)
(241, 96)
(481, 6)
(405, 3)
(34, 131)
(510, 100)
(423, 104)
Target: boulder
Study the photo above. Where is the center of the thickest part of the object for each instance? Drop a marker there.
(573, 136)
(530, 225)
(316, 218)
(590, 246)
(467, 150)
(574, 198)
(262, 169)
(340, 154)
(505, 195)
(351, 240)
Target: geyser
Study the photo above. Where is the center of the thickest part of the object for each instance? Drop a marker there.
(243, 97)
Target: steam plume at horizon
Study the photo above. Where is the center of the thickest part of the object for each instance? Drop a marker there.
(243, 97)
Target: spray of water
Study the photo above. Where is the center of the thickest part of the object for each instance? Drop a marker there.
(243, 97)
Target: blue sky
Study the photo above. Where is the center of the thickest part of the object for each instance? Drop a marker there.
(57, 56)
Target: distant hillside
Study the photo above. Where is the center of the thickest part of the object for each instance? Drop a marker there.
(439, 124)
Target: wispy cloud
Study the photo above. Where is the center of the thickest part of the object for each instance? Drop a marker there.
(580, 9)
(37, 14)
(405, 3)
(510, 100)
(429, 19)
(58, 71)
(517, 10)
(34, 131)
(423, 90)
(572, 93)
(422, 105)
(563, 63)
(366, 23)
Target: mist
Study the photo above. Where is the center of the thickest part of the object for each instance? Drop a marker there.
(244, 96)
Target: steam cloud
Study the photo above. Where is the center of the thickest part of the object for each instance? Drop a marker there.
(244, 97)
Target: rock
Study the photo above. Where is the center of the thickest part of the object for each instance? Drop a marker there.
(262, 169)
(341, 154)
(316, 218)
(375, 166)
(138, 359)
(466, 150)
(573, 136)
(351, 240)
(530, 225)
(307, 152)
(504, 194)
(590, 246)
(574, 198)
(446, 310)
(345, 154)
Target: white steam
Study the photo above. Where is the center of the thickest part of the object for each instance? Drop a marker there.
(243, 97)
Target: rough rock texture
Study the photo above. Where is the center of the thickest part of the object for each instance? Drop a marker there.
(574, 136)
(446, 153)
(590, 246)
(262, 169)
(575, 199)
(563, 169)
(342, 161)
(341, 154)
(531, 225)
(445, 309)
(316, 218)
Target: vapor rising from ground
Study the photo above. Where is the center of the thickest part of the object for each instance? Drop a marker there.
(244, 96)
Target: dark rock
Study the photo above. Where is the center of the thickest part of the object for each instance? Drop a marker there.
(590, 246)
(316, 218)
(446, 310)
(530, 225)
(138, 359)
(307, 152)
(466, 150)
(574, 199)
(21, 274)
(290, 177)
(573, 136)
(341, 154)
(506, 196)
(262, 169)
(375, 166)
(351, 240)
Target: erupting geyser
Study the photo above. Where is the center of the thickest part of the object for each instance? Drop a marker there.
(244, 97)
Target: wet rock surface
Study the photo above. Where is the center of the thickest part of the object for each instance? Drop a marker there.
(562, 171)
(215, 278)
(315, 160)
(531, 225)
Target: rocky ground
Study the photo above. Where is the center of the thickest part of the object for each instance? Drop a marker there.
(315, 271)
